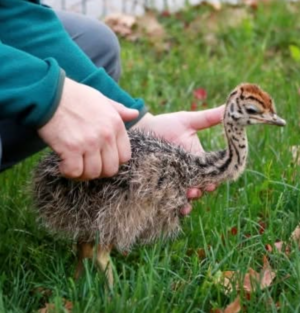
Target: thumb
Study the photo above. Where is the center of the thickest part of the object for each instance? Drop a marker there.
(207, 118)
(126, 114)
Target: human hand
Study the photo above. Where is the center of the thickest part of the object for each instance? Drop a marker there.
(87, 131)
(181, 128)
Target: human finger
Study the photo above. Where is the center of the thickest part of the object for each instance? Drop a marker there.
(92, 165)
(186, 209)
(71, 165)
(204, 119)
(124, 147)
(194, 193)
(127, 114)
(110, 160)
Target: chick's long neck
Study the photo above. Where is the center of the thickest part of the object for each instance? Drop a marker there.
(228, 164)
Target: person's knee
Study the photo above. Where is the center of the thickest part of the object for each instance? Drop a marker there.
(96, 39)
(108, 51)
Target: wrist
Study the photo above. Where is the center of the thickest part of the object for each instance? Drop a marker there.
(144, 122)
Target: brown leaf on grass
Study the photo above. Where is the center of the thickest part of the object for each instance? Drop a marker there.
(122, 24)
(134, 28)
(263, 279)
(234, 231)
(251, 279)
(251, 3)
(50, 307)
(215, 4)
(284, 247)
(233, 307)
(150, 26)
(267, 274)
(280, 246)
(228, 277)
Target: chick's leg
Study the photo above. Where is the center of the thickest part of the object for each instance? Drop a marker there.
(84, 250)
(104, 263)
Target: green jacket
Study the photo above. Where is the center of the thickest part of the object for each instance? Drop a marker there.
(35, 55)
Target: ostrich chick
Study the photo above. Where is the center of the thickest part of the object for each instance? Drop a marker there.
(142, 202)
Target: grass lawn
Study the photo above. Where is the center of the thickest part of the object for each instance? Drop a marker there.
(227, 230)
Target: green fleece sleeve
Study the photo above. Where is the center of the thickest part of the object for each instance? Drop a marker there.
(36, 30)
(30, 88)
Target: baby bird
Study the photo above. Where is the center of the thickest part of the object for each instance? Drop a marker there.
(143, 201)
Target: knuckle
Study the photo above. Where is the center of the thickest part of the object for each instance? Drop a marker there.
(107, 135)
(92, 142)
(117, 123)
(73, 147)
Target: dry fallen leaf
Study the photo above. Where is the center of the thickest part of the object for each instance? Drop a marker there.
(263, 279)
(228, 277)
(267, 274)
(282, 246)
(215, 4)
(150, 26)
(251, 3)
(50, 307)
(233, 307)
(251, 280)
(122, 24)
(133, 28)
(277, 245)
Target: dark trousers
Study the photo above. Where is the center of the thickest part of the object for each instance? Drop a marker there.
(101, 46)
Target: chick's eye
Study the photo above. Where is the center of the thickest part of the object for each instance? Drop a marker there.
(251, 111)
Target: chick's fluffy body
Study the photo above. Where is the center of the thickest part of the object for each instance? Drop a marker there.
(139, 204)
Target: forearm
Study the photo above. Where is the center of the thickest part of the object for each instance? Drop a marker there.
(30, 88)
(36, 30)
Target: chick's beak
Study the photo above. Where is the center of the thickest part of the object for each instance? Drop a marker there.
(274, 120)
